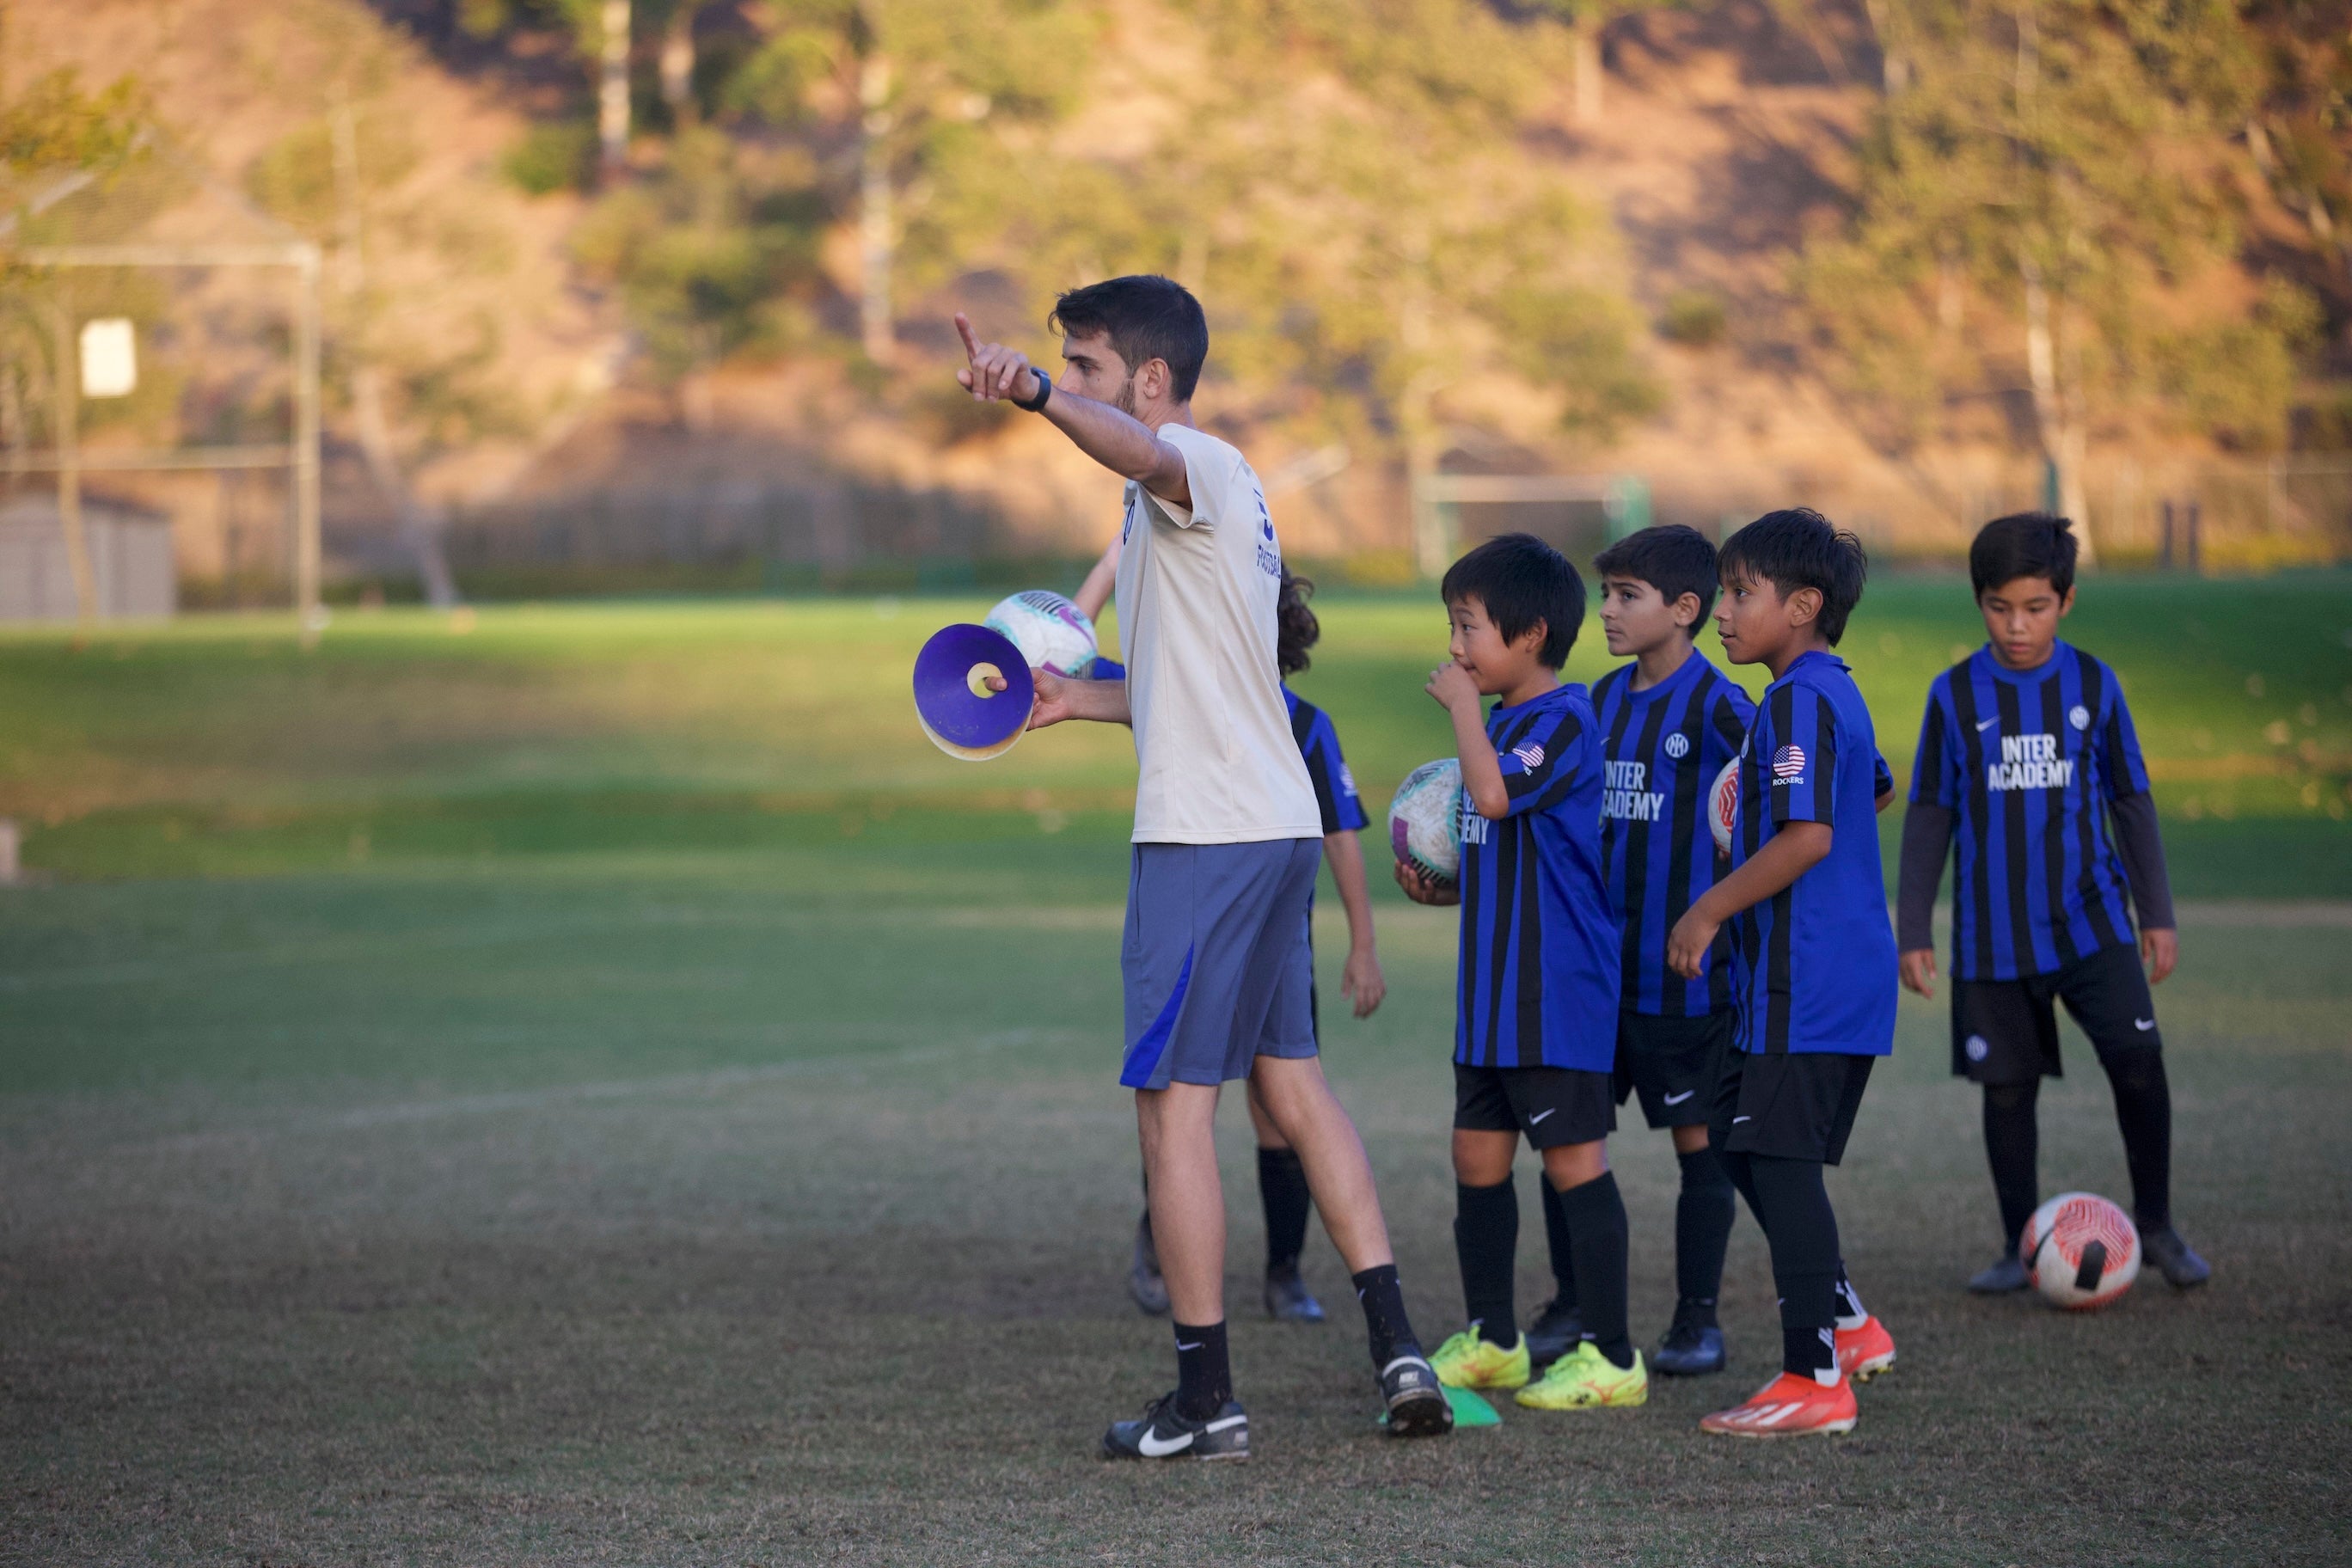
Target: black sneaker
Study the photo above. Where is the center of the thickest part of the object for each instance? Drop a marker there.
(1691, 1349)
(1161, 1434)
(1288, 1298)
(2178, 1261)
(1553, 1334)
(1416, 1400)
(1143, 1281)
(2006, 1275)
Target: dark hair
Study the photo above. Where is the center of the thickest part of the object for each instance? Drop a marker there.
(1147, 318)
(1296, 629)
(1521, 580)
(1672, 559)
(1799, 548)
(2022, 544)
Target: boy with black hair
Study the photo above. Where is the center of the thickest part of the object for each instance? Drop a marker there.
(1227, 838)
(1281, 1177)
(1536, 1015)
(1813, 962)
(2028, 751)
(1669, 722)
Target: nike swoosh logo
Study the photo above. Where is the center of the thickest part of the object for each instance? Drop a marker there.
(1678, 1099)
(2143, 1025)
(1738, 1120)
(1984, 724)
(1153, 1448)
(1539, 1115)
(1182, 1346)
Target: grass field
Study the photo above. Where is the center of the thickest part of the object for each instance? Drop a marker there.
(596, 1086)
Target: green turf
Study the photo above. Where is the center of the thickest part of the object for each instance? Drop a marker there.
(598, 1087)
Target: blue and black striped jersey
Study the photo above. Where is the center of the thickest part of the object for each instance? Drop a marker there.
(1661, 748)
(2028, 761)
(1327, 769)
(1813, 966)
(1538, 970)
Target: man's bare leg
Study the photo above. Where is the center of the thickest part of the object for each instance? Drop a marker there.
(1299, 1102)
(1178, 1129)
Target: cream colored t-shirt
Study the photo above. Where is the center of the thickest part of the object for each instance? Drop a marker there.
(1197, 592)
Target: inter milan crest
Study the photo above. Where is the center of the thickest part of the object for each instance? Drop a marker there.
(2079, 716)
(1678, 745)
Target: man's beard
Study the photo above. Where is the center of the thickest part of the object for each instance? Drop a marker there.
(1125, 401)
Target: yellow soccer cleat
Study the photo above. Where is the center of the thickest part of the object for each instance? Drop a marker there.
(1584, 1378)
(1470, 1360)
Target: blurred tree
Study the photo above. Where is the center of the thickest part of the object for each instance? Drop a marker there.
(1585, 20)
(2058, 169)
(2300, 131)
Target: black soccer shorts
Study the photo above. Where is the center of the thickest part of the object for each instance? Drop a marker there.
(1553, 1106)
(1673, 1064)
(1791, 1105)
(2005, 1032)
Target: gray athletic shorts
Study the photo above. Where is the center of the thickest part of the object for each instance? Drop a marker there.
(1216, 960)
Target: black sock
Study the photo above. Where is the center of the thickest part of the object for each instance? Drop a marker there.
(1486, 1243)
(1802, 1228)
(1382, 1299)
(1282, 1187)
(1563, 1256)
(1597, 1231)
(2144, 1111)
(1703, 1216)
(2013, 1144)
(1743, 1181)
(1846, 1300)
(1204, 1378)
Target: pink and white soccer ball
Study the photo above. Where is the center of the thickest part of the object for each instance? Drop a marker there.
(1723, 806)
(1425, 820)
(1051, 632)
(2081, 1251)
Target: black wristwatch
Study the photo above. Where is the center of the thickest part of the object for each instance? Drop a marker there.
(1044, 391)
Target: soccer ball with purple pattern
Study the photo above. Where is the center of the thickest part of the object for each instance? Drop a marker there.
(1425, 821)
(1052, 633)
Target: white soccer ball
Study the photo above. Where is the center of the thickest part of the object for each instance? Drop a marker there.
(1051, 632)
(1723, 806)
(1425, 820)
(2081, 1251)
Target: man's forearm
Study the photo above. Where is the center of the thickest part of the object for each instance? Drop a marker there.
(1792, 852)
(1105, 701)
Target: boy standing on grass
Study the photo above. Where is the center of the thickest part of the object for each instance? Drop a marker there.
(2028, 749)
(1814, 973)
(1281, 1178)
(1669, 722)
(1227, 838)
(1536, 1018)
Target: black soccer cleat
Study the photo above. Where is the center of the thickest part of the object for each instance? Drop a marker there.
(1161, 1434)
(1554, 1333)
(1416, 1400)
(1288, 1298)
(1143, 1281)
(2174, 1258)
(1691, 1349)
(2007, 1274)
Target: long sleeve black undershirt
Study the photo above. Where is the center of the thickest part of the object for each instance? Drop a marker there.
(1928, 842)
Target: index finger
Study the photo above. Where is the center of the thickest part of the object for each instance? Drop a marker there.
(971, 343)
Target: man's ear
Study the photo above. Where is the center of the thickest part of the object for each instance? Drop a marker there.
(1805, 606)
(1154, 380)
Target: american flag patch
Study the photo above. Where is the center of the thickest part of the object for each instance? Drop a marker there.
(1789, 762)
(1530, 756)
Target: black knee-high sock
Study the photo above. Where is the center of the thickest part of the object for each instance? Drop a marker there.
(1743, 1181)
(1597, 1231)
(1487, 1241)
(1703, 1216)
(1803, 1229)
(1382, 1295)
(2013, 1144)
(1563, 1256)
(1282, 1187)
(2144, 1111)
(1204, 1376)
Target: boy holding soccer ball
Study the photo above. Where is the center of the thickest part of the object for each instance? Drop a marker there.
(1813, 968)
(2026, 754)
(1536, 1023)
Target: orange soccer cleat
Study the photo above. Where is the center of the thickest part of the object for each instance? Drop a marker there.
(1788, 1407)
(1864, 1353)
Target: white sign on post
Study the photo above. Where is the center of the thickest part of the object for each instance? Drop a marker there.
(109, 358)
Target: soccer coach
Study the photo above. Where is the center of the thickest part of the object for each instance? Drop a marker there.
(1227, 838)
